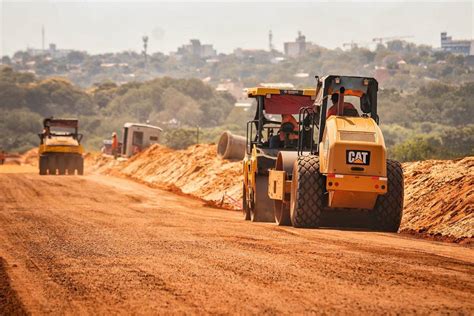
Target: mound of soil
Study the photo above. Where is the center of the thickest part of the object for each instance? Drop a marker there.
(439, 197)
(30, 157)
(195, 171)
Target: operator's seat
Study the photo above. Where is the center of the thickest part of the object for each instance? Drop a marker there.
(350, 112)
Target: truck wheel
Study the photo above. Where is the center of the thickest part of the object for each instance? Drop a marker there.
(43, 165)
(307, 193)
(80, 166)
(70, 165)
(245, 206)
(388, 210)
(262, 207)
(61, 165)
(52, 164)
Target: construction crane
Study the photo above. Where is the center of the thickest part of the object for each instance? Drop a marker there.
(353, 44)
(382, 40)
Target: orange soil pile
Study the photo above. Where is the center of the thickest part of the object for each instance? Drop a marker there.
(439, 197)
(438, 194)
(96, 162)
(30, 157)
(195, 171)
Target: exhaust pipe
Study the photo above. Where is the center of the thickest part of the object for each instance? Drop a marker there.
(231, 146)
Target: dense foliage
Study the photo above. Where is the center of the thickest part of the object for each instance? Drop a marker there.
(25, 100)
(437, 121)
(429, 119)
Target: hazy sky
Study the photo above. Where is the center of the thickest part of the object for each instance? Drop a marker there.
(111, 26)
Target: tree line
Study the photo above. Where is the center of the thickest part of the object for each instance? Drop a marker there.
(434, 121)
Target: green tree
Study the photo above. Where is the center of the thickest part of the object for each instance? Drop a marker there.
(416, 148)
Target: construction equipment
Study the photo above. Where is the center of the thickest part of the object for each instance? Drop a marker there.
(266, 137)
(342, 166)
(60, 151)
(382, 40)
(137, 137)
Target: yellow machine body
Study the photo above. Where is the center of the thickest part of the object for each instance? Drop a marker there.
(264, 91)
(249, 168)
(352, 156)
(59, 144)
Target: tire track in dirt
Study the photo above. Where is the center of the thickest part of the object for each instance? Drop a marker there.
(10, 304)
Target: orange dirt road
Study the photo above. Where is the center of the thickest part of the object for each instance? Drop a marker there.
(101, 245)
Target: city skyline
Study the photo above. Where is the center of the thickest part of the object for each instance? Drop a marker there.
(224, 25)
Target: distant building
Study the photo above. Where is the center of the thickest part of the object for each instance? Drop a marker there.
(52, 51)
(234, 88)
(195, 48)
(461, 47)
(246, 53)
(296, 48)
(382, 74)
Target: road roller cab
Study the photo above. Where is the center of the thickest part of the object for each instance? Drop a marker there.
(345, 166)
(275, 128)
(60, 150)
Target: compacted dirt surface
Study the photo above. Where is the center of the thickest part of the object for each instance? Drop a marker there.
(100, 245)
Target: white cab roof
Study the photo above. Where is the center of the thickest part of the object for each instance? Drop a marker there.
(142, 125)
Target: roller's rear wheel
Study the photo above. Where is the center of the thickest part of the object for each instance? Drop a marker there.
(71, 165)
(43, 165)
(80, 165)
(61, 165)
(307, 193)
(52, 164)
(388, 210)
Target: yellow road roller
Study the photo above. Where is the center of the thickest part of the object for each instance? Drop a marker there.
(340, 161)
(60, 150)
(273, 129)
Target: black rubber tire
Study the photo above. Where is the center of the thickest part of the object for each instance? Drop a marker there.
(245, 206)
(388, 210)
(70, 165)
(61, 165)
(308, 196)
(261, 209)
(80, 166)
(43, 165)
(52, 164)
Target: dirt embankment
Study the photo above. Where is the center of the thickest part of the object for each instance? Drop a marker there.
(195, 171)
(30, 157)
(439, 198)
(20, 163)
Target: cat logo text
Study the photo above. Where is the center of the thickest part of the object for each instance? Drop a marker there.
(358, 157)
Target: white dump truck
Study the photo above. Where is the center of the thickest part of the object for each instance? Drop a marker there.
(137, 137)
